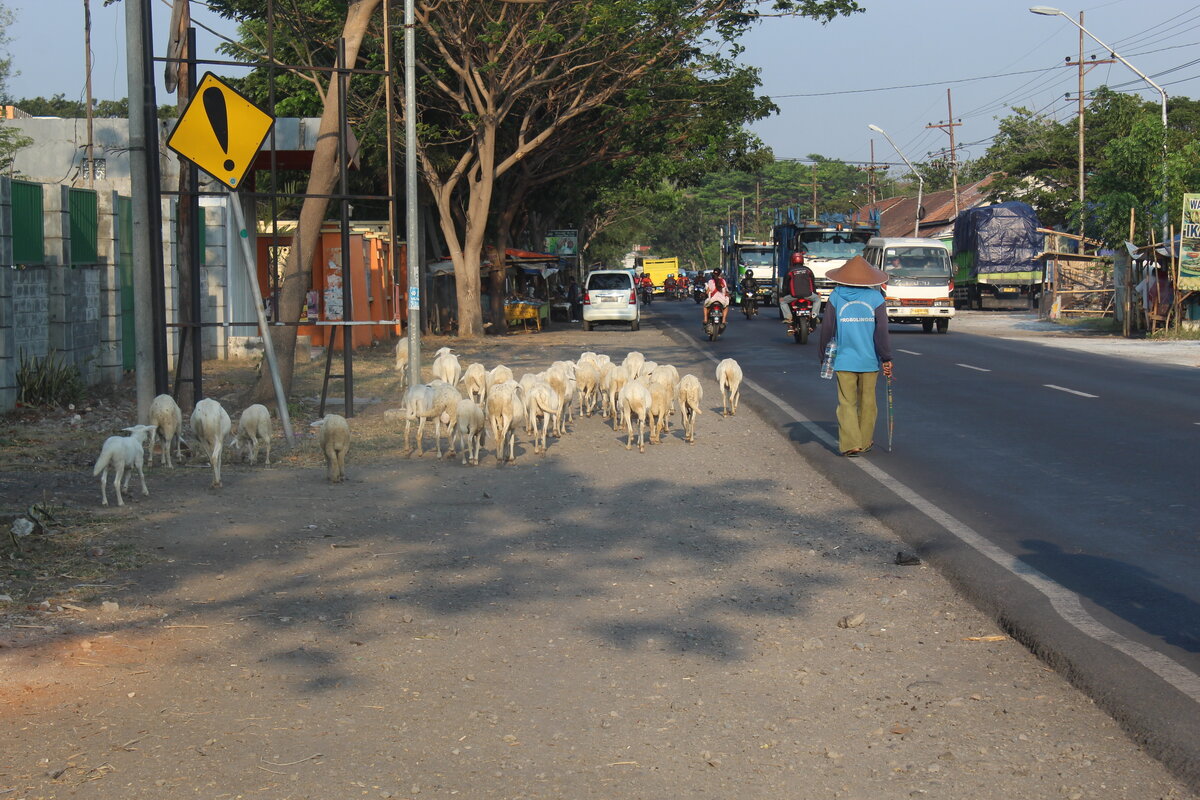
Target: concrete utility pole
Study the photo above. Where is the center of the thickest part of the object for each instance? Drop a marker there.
(410, 193)
(87, 60)
(949, 125)
(1083, 69)
(143, 237)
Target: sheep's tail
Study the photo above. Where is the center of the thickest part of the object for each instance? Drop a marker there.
(102, 462)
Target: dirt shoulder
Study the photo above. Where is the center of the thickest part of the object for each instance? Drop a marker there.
(591, 623)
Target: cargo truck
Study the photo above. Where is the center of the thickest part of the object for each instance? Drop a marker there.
(826, 243)
(739, 255)
(658, 269)
(995, 255)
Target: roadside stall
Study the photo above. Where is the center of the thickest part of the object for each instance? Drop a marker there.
(529, 301)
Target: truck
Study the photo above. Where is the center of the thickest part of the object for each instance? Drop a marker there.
(920, 280)
(658, 269)
(739, 255)
(826, 243)
(995, 255)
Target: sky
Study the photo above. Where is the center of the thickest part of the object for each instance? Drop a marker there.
(889, 66)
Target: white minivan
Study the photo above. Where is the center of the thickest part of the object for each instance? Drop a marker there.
(609, 296)
(920, 280)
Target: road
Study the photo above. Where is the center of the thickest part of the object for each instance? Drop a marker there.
(1077, 474)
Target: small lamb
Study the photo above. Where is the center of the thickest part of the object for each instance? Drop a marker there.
(475, 381)
(691, 394)
(254, 428)
(635, 400)
(166, 416)
(468, 430)
(446, 367)
(729, 378)
(210, 424)
(333, 437)
(121, 452)
(505, 411)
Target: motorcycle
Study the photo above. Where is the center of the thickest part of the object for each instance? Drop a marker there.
(713, 324)
(803, 321)
(749, 305)
(647, 295)
(698, 293)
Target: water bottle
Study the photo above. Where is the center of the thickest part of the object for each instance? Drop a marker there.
(827, 364)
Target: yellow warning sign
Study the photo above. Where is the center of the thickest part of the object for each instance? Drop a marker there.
(220, 131)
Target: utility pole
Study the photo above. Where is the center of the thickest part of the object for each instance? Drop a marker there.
(813, 185)
(87, 60)
(1083, 66)
(949, 125)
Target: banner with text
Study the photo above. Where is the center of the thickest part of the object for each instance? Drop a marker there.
(1189, 243)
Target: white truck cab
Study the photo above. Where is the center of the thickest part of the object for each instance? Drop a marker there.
(920, 280)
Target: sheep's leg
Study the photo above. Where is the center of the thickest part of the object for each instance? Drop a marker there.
(178, 437)
(641, 433)
(420, 443)
(104, 487)
(118, 472)
(216, 464)
(142, 476)
(267, 461)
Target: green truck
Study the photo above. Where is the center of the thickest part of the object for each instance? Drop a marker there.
(995, 254)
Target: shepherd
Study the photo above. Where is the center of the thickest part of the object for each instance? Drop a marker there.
(857, 319)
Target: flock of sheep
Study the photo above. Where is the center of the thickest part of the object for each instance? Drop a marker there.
(635, 391)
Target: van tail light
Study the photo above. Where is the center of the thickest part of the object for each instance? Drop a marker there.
(587, 298)
(632, 297)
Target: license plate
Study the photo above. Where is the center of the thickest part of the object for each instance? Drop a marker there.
(919, 312)
(1009, 289)
(610, 299)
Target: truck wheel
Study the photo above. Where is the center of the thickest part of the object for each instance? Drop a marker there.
(927, 325)
(943, 325)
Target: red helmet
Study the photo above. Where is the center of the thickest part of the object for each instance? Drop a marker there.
(797, 257)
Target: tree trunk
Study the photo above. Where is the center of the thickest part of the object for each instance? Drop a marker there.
(322, 180)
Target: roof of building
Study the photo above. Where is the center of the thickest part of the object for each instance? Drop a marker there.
(896, 214)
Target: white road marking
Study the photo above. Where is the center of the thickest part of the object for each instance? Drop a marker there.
(910, 352)
(968, 366)
(1068, 391)
(1063, 600)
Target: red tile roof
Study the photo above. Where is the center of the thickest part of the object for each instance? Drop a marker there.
(896, 213)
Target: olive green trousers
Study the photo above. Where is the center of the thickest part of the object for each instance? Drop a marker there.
(856, 410)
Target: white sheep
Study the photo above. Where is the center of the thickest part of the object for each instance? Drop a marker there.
(499, 374)
(468, 429)
(446, 367)
(121, 453)
(546, 404)
(445, 400)
(505, 411)
(168, 420)
(633, 363)
(526, 383)
(691, 394)
(634, 400)
(667, 375)
(563, 382)
(660, 410)
(587, 357)
(402, 356)
(646, 368)
(475, 381)
(602, 359)
(606, 371)
(616, 382)
(424, 402)
(253, 429)
(729, 378)
(210, 425)
(333, 437)
(587, 378)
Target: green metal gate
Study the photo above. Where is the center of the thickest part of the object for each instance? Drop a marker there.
(125, 268)
(29, 224)
(81, 203)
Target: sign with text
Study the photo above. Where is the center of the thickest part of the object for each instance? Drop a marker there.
(563, 243)
(220, 131)
(1189, 243)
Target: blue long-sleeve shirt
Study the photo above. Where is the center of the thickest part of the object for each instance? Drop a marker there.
(857, 316)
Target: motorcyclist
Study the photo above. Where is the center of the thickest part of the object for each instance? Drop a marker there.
(749, 288)
(716, 291)
(671, 285)
(647, 286)
(799, 282)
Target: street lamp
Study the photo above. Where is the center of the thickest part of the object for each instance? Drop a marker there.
(1047, 11)
(920, 180)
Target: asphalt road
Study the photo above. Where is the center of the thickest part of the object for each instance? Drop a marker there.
(1076, 474)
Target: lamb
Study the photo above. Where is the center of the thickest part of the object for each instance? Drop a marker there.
(499, 374)
(445, 401)
(120, 453)
(606, 371)
(667, 375)
(546, 403)
(424, 402)
(603, 359)
(505, 411)
(633, 362)
(168, 420)
(634, 400)
(210, 425)
(333, 437)
(563, 382)
(587, 357)
(660, 409)
(691, 393)
(254, 428)
(729, 378)
(469, 430)
(446, 367)
(402, 356)
(588, 383)
(646, 368)
(475, 380)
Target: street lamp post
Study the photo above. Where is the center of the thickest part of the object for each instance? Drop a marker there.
(920, 180)
(1047, 11)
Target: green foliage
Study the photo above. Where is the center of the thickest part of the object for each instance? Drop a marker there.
(48, 381)
(60, 106)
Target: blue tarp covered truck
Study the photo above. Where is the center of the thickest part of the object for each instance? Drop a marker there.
(995, 255)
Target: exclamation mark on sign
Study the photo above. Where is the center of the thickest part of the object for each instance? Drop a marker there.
(218, 117)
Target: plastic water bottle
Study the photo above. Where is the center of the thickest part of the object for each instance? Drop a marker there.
(827, 364)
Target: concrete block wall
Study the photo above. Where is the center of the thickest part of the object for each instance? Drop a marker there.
(57, 235)
(170, 282)
(8, 352)
(111, 355)
(74, 320)
(24, 305)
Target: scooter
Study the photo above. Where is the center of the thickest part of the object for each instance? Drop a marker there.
(803, 321)
(647, 295)
(713, 325)
(749, 305)
(698, 294)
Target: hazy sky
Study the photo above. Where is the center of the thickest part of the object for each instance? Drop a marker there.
(816, 74)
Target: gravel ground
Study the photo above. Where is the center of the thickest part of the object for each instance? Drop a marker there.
(591, 623)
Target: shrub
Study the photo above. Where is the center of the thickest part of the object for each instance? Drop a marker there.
(48, 381)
